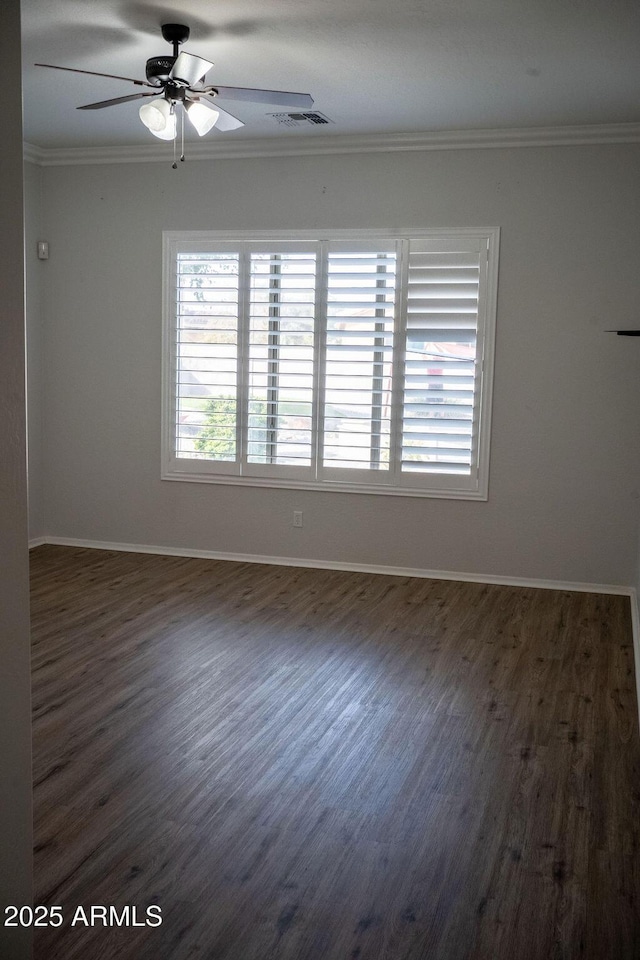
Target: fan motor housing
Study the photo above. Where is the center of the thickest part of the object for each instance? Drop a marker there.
(158, 70)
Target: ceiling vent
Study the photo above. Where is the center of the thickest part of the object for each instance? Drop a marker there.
(298, 119)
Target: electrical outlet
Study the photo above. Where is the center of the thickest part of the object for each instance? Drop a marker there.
(297, 518)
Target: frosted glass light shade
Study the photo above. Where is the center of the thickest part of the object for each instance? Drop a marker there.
(202, 117)
(159, 118)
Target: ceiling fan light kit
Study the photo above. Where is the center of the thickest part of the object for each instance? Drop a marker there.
(202, 117)
(159, 117)
(181, 79)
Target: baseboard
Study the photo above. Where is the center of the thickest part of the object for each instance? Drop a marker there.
(635, 630)
(606, 588)
(37, 542)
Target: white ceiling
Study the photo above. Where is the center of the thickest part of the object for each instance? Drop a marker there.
(372, 66)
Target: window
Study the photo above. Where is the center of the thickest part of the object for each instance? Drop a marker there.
(357, 362)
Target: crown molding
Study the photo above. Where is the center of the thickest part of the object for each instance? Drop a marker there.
(33, 154)
(319, 145)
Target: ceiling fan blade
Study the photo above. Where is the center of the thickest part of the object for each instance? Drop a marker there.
(111, 103)
(227, 121)
(189, 69)
(112, 76)
(262, 96)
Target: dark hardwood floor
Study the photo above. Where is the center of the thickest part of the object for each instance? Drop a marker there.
(299, 764)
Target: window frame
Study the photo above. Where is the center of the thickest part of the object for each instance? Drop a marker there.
(475, 486)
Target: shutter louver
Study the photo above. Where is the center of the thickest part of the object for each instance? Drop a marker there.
(360, 310)
(281, 358)
(207, 356)
(440, 363)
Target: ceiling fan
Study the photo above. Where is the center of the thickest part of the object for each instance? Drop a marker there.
(178, 80)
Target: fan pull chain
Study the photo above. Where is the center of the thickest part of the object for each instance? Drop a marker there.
(175, 137)
(183, 111)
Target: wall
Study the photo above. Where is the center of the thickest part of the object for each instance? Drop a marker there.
(34, 269)
(565, 445)
(635, 614)
(15, 719)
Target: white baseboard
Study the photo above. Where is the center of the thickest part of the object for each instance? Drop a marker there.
(635, 630)
(37, 542)
(608, 588)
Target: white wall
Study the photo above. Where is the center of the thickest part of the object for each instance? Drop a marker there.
(15, 718)
(565, 445)
(34, 270)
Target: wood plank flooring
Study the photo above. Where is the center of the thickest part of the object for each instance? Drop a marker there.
(299, 764)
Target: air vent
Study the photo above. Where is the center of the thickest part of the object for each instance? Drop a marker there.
(311, 117)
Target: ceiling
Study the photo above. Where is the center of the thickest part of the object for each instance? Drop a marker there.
(372, 67)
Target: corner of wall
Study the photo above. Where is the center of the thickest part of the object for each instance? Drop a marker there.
(34, 277)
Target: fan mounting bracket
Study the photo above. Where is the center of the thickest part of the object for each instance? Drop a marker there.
(175, 33)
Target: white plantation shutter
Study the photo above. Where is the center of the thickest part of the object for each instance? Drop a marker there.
(207, 292)
(352, 363)
(441, 383)
(359, 341)
(282, 292)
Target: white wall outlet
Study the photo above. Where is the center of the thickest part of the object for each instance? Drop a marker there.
(297, 518)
